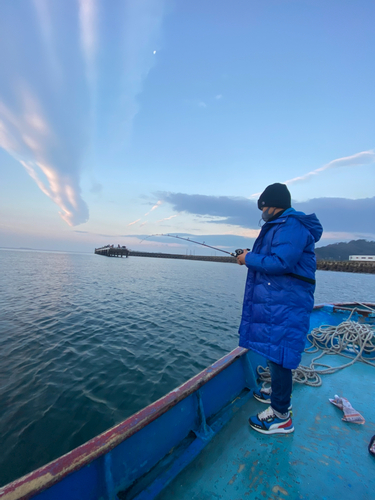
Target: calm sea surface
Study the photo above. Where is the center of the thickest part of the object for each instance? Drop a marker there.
(85, 340)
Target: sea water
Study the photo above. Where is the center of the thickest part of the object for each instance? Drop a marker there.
(87, 340)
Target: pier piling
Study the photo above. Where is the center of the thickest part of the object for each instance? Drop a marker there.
(110, 251)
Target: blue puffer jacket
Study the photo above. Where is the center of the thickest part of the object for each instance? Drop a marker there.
(277, 306)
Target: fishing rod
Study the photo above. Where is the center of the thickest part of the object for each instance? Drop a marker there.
(236, 253)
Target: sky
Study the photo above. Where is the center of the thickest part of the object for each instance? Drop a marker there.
(125, 119)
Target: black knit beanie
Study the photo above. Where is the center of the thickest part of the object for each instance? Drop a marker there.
(276, 195)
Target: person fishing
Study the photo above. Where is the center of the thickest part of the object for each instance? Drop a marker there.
(279, 297)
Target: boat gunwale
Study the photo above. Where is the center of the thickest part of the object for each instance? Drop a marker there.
(53, 472)
(46, 476)
(344, 306)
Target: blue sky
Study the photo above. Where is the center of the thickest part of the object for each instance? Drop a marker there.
(123, 119)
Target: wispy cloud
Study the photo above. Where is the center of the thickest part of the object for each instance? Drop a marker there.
(136, 28)
(88, 25)
(43, 107)
(154, 207)
(134, 222)
(167, 218)
(202, 104)
(359, 159)
(143, 223)
(218, 97)
(43, 12)
(52, 76)
(31, 139)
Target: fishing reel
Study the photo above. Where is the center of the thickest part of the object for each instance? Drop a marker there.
(239, 251)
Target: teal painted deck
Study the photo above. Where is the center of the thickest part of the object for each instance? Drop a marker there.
(325, 458)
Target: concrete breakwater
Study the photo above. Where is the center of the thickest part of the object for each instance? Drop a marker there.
(347, 266)
(322, 265)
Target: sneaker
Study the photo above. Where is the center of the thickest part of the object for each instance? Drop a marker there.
(264, 396)
(267, 422)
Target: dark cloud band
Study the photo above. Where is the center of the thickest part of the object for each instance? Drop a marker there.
(336, 214)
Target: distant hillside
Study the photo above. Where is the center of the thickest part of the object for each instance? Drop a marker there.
(341, 251)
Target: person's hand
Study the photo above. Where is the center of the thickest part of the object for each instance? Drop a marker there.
(241, 258)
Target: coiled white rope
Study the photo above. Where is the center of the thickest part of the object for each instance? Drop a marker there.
(349, 336)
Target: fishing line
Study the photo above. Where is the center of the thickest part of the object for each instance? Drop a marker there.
(236, 253)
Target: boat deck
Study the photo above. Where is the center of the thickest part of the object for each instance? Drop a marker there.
(195, 442)
(324, 458)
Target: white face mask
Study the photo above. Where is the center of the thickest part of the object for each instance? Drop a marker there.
(266, 216)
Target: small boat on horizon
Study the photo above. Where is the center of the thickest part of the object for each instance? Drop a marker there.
(195, 442)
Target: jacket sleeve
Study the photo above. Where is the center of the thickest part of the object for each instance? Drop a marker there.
(287, 246)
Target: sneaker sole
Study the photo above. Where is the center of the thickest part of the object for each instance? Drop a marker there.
(274, 431)
(265, 401)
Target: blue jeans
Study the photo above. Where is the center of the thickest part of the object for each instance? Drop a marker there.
(281, 385)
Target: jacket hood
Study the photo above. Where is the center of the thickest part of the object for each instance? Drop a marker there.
(311, 222)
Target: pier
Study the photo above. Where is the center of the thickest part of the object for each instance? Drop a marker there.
(160, 255)
(112, 251)
(348, 266)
